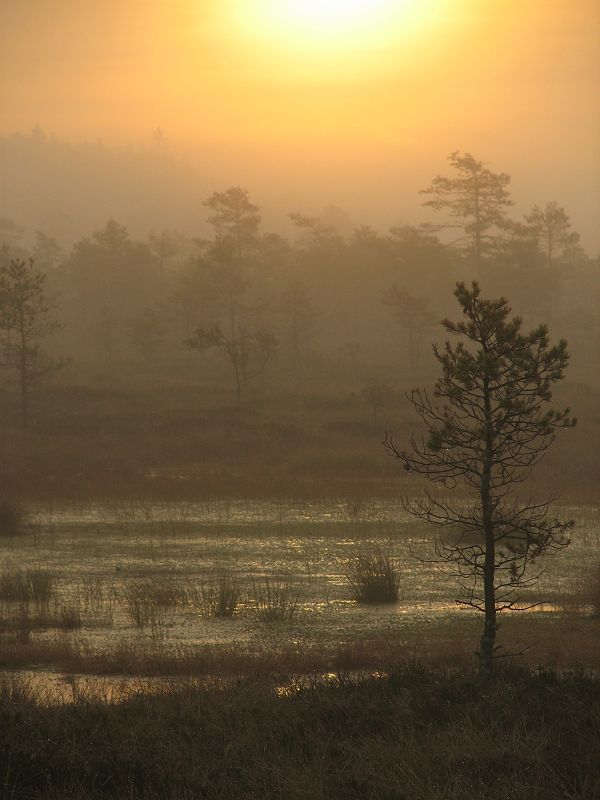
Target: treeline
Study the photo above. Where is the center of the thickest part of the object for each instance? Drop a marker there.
(250, 298)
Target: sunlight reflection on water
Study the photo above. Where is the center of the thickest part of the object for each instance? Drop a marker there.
(185, 545)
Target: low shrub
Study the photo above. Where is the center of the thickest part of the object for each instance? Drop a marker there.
(373, 578)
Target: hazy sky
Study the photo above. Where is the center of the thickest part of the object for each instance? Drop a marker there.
(356, 103)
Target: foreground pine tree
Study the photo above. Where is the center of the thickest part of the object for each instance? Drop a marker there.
(489, 424)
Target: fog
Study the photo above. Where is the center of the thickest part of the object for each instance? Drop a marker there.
(302, 112)
(182, 172)
(299, 390)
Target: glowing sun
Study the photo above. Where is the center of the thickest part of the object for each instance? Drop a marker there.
(330, 23)
(331, 13)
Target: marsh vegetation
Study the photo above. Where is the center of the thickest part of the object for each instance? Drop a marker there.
(228, 587)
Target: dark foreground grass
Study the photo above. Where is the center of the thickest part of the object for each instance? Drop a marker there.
(415, 735)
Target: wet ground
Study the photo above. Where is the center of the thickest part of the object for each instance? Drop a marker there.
(97, 553)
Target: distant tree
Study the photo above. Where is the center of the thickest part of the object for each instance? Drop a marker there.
(378, 395)
(234, 217)
(11, 240)
(420, 257)
(474, 196)
(316, 235)
(519, 261)
(351, 351)
(552, 228)
(338, 219)
(109, 272)
(413, 314)
(274, 255)
(164, 246)
(147, 332)
(188, 298)
(299, 314)
(105, 330)
(225, 282)
(247, 350)
(114, 237)
(24, 324)
(159, 137)
(368, 240)
(46, 252)
(488, 426)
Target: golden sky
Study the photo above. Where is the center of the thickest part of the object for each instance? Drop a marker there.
(362, 93)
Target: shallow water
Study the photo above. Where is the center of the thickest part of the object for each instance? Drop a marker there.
(309, 545)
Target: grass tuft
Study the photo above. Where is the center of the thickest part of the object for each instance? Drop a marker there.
(373, 578)
(276, 599)
(219, 598)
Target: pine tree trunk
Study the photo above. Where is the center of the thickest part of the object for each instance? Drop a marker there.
(487, 643)
(477, 234)
(488, 637)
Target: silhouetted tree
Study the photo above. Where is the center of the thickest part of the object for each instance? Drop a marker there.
(552, 228)
(111, 270)
(476, 197)
(248, 350)
(24, 323)
(413, 314)
(234, 217)
(487, 427)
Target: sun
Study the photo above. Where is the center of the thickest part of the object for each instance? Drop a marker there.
(331, 24)
(329, 14)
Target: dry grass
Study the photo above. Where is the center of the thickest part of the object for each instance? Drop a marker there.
(417, 733)
(312, 443)
(565, 643)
